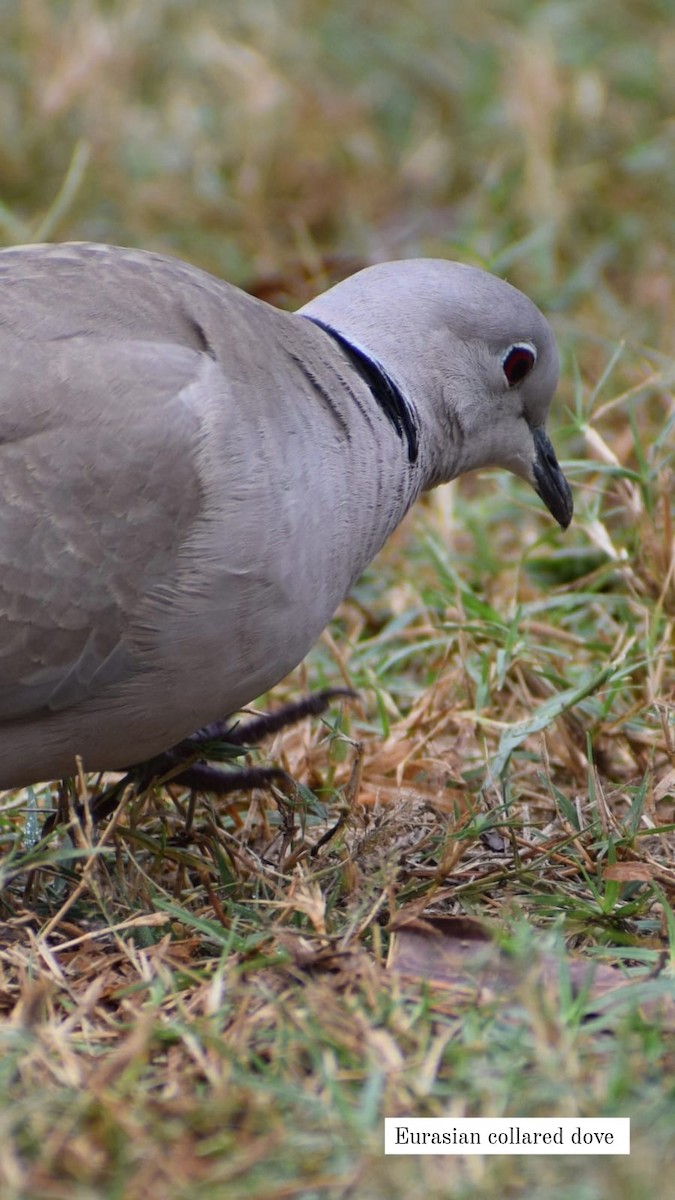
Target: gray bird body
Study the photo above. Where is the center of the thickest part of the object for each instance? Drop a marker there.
(191, 480)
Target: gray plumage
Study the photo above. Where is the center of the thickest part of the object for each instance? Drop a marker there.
(192, 480)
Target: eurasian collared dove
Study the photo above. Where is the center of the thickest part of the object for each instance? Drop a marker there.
(192, 480)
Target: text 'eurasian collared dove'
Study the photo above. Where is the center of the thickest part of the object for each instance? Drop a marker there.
(192, 480)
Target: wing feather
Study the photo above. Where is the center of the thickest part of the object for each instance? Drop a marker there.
(98, 490)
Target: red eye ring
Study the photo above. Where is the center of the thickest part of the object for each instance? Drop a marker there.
(518, 362)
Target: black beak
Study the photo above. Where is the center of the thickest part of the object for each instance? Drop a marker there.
(550, 483)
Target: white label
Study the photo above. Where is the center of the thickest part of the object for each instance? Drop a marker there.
(507, 1135)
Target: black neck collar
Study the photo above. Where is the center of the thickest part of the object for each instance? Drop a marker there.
(384, 389)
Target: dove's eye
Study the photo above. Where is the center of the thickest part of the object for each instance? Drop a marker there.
(518, 362)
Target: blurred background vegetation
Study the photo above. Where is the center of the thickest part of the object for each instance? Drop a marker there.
(251, 136)
(283, 145)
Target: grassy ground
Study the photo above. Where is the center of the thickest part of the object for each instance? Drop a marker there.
(226, 1003)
